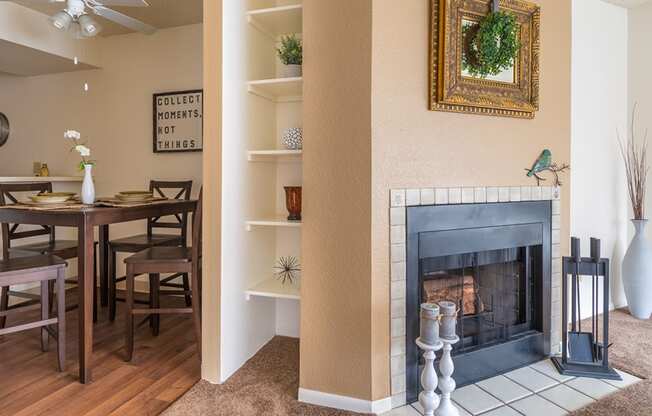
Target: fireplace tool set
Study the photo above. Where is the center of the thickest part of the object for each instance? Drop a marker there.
(585, 353)
(433, 318)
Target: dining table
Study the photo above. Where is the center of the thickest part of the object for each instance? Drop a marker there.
(86, 218)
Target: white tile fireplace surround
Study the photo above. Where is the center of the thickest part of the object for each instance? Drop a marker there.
(400, 199)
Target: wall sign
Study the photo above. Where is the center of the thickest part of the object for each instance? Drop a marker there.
(178, 121)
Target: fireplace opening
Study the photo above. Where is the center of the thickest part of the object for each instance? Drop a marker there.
(495, 292)
(493, 261)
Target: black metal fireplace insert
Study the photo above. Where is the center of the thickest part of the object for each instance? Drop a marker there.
(493, 260)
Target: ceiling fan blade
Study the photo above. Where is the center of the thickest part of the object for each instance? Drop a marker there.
(126, 3)
(124, 20)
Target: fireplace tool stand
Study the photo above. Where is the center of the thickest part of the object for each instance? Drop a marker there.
(584, 354)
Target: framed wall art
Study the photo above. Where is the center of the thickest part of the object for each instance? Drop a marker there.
(178, 121)
(485, 57)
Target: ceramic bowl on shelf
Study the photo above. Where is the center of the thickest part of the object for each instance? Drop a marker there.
(52, 197)
(134, 196)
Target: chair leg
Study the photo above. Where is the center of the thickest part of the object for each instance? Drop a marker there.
(51, 296)
(112, 284)
(95, 305)
(4, 304)
(155, 301)
(186, 287)
(61, 319)
(196, 307)
(45, 313)
(129, 317)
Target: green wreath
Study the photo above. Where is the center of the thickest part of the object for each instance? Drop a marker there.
(492, 45)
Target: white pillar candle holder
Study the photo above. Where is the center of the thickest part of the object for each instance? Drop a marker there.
(428, 398)
(446, 382)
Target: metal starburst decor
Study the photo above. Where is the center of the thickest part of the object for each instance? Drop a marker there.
(287, 267)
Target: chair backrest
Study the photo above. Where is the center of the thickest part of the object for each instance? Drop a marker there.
(11, 232)
(173, 190)
(197, 226)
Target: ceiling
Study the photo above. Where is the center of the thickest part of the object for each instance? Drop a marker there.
(628, 3)
(161, 13)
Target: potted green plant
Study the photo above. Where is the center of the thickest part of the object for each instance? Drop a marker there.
(290, 53)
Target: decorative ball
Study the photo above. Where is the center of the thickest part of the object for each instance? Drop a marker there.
(293, 138)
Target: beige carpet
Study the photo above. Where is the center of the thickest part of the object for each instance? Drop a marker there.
(631, 352)
(266, 385)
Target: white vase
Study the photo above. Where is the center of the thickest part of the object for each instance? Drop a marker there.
(637, 273)
(291, 71)
(88, 188)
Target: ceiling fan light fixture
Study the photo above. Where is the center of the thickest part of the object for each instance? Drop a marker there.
(89, 27)
(61, 20)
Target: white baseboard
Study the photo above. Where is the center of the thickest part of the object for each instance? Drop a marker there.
(350, 404)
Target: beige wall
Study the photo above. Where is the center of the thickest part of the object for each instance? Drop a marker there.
(640, 85)
(345, 294)
(336, 235)
(114, 116)
(211, 286)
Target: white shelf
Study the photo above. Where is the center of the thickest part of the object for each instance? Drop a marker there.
(277, 21)
(273, 288)
(278, 89)
(273, 222)
(254, 155)
(7, 179)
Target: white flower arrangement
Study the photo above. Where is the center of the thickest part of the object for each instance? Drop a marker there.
(74, 136)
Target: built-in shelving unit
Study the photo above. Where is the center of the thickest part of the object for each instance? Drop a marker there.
(255, 168)
(278, 89)
(273, 105)
(276, 154)
(276, 21)
(272, 222)
(12, 179)
(274, 288)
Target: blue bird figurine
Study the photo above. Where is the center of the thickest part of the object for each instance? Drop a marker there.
(542, 163)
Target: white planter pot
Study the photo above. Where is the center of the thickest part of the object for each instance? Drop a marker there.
(637, 273)
(88, 188)
(291, 71)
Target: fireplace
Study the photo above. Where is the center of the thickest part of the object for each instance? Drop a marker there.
(493, 261)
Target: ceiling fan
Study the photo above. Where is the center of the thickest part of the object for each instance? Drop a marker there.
(76, 16)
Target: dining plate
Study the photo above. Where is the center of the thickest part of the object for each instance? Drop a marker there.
(134, 196)
(52, 197)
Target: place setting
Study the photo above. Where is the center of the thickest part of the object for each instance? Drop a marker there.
(49, 201)
(130, 198)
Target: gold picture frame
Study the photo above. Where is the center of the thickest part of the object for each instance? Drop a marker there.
(513, 93)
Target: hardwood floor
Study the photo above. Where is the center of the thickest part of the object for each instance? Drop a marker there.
(162, 370)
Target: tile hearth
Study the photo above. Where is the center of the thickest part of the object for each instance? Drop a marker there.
(529, 391)
(400, 200)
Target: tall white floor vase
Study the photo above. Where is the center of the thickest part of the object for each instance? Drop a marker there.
(446, 382)
(428, 398)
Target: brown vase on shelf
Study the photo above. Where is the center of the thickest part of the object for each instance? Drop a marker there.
(293, 202)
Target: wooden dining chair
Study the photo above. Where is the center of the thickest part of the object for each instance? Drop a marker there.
(65, 249)
(134, 244)
(155, 261)
(38, 269)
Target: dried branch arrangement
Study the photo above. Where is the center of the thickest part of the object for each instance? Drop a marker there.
(636, 168)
